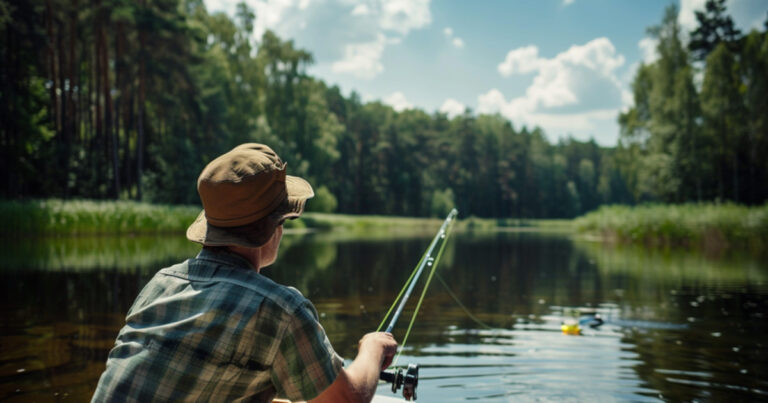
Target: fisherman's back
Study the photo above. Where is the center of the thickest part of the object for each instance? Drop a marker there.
(211, 328)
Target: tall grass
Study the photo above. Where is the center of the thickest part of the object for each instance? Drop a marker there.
(88, 217)
(364, 223)
(699, 224)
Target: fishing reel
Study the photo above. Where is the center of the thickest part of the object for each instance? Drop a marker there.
(408, 380)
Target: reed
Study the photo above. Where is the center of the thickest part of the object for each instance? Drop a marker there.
(692, 224)
(55, 217)
(89, 217)
(364, 223)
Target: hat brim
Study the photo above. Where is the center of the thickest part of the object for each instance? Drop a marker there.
(259, 232)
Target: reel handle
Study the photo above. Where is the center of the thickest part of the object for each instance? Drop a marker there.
(408, 380)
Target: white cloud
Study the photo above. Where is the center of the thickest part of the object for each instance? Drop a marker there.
(226, 6)
(345, 36)
(452, 108)
(570, 122)
(648, 47)
(397, 16)
(567, 2)
(404, 15)
(454, 40)
(494, 102)
(363, 60)
(520, 61)
(361, 9)
(572, 91)
(582, 124)
(686, 17)
(269, 14)
(397, 101)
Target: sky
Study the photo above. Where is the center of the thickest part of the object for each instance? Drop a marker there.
(563, 65)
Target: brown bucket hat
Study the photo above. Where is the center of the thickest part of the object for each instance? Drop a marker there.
(246, 195)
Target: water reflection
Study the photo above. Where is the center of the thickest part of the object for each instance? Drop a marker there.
(678, 326)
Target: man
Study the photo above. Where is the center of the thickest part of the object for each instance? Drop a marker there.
(213, 329)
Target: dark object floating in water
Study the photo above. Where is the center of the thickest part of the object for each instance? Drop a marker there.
(593, 321)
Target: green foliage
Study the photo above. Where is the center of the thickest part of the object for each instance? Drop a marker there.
(714, 27)
(442, 202)
(131, 100)
(5, 14)
(695, 224)
(723, 113)
(323, 202)
(364, 223)
(189, 85)
(89, 217)
(681, 142)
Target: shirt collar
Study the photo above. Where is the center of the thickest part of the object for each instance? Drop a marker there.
(222, 255)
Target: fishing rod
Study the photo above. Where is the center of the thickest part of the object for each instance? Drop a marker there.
(410, 379)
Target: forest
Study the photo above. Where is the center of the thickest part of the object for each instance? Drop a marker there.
(128, 100)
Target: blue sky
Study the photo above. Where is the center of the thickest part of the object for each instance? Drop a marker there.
(563, 65)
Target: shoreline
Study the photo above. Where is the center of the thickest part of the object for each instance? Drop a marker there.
(694, 225)
(83, 218)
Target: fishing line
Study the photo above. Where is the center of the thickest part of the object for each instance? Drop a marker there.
(405, 292)
(464, 308)
(408, 378)
(402, 290)
(423, 292)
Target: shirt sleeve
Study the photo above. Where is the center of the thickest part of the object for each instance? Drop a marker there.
(305, 363)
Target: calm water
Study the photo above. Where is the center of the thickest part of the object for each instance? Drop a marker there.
(679, 326)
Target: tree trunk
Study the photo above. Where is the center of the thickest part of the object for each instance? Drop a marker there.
(98, 138)
(110, 134)
(73, 69)
(736, 175)
(63, 137)
(62, 93)
(7, 130)
(52, 67)
(71, 113)
(140, 123)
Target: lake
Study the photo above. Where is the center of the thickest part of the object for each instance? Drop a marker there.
(678, 325)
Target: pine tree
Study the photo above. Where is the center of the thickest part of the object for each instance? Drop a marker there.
(714, 27)
(723, 114)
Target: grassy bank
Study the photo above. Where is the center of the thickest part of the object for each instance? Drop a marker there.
(362, 223)
(89, 217)
(700, 224)
(515, 224)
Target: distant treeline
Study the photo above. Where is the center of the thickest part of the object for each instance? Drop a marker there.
(110, 99)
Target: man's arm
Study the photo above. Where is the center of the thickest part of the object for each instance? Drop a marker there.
(357, 383)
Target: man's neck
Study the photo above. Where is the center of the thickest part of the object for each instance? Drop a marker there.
(252, 255)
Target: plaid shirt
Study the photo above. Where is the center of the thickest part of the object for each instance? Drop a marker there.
(213, 329)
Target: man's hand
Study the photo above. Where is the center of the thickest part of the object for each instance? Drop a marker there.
(379, 342)
(357, 383)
